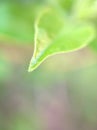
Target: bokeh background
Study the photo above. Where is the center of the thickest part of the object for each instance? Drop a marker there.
(59, 95)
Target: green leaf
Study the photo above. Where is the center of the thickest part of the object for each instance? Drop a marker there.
(17, 20)
(85, 9)
(56, 33)
(66, 4)
(93, 45)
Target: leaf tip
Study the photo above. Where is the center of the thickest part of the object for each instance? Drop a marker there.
(31, 68)
(33, 65)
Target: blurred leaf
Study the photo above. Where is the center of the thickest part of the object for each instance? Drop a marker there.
(85, 9)
(55, 34)
(93, 45)
(66, 4)
(17, 20)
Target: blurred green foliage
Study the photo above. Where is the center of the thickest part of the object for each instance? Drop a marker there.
(17, 19)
